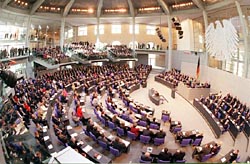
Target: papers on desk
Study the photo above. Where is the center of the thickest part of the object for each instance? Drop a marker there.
(74, 135)
(223, 159)
(126, 142)
(53, 154)
(50, 146)
(110, 137)
(69, 127)
(87, 148)
(199, 148)
(98, 157)
(46, 138)
(79, 143)
(44, 130)
(149, 149)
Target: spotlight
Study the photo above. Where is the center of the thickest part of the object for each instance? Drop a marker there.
(163, 40)
(180, 32)
(9, 78)
(180, 37)
(177, 23)
(178, 28)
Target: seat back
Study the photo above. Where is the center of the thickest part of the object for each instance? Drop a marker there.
(111, 125)
(176, 129)
(142, 123)
(103, 121)
(197, 142)
(142, 161)
(103, 145)
(154, 126)
(206, 157)
(185, 142)
(131, 135)
(92, 136)
(114, 151)
(120, 131)
(144, 139)
(180, 161)
(162, 161)
(165, 118)
(86, 132)
(159, 141)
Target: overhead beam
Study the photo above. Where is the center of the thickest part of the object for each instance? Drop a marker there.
(35, 6)
(67, 8)
(165, 7)
(199, 4)
(99, 8)
(219, 5)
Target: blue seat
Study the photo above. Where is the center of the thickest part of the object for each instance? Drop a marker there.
(159, 141)
(92, 136)
(185, 142)
(144, 139)
(176, 129)
(114, 151)
(103, 121)
(205, 157)
(131, 135)
(120, 131)
(161, 161)
(142, 161)
(103, 144)
(180, 161)
(154, 126)
(142, 123)
(86, 132)
(197, 142)
(165, 118)
(111, 125)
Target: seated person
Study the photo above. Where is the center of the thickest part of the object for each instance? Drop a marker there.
(122, 126)
(147, 132)
(103, 139)
(215, 149)
(119, 145)
(160, 134)
(115, 120)
(90, 125)
(165, 155)
(146, 157)
(205, 150)
(233, 156)
(135, 130)
(96, 132)
(179, 155)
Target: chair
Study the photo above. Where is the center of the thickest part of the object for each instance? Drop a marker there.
(144, 139)
(197, 142)
(205, 157)
(142, 161)
(185, 142)
(131, 135)
(180, 161)
(86, 132)
(176, 129)
(111, 125)
(165, 118)
(154, 126)
(103, 145)
(125, 117)
(161, 161)
(159, 141)
(114, 151)
(103, 121)
(92, 136)
(142, 123)
(120, 131)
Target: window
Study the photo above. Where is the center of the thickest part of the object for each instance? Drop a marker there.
(150, 30)
(136, 29)
(82, 30)
(116, 29)
(70, 33)
(101, 29)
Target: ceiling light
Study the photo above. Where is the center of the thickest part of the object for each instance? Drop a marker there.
(90, 10)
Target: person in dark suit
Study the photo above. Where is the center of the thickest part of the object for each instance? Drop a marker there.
(90, 125)
(147, 132)
(115, 120)
(146, 157)
(118, 144)
(160, 134)
(165, 155)
(233, 156)
(96, 132)
(179, 155)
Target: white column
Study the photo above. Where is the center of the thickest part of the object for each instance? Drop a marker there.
(245, 34)
(205, 25)
(133, 32)
(27, 40)
(170, 44)
(62, 33)
(98, 31)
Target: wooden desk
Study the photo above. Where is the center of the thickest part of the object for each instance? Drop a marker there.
(164, 82)
(155, 151)
(153, 98)
(213, 122)
(225, 158)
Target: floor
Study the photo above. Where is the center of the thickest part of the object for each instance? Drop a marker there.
(181, 110)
